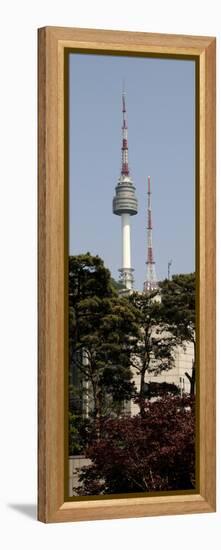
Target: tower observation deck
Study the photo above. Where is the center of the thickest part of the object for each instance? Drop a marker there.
(125, 204)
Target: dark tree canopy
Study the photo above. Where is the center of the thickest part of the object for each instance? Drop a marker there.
(156, 389)
(178, 306)
(155, 452)
(153, 351)
(102, 330)
(179, 313)
(110, 336)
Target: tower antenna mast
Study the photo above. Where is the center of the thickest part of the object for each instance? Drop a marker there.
(169, 266)
(151, 282)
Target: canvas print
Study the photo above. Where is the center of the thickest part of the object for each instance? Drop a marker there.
(132, 362)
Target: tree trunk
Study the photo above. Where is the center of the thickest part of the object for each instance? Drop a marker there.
(95, 399)
(142, 385)
(192, 378)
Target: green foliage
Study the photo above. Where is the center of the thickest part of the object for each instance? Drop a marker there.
(102, 330)
(74, 441)
(178, 313)
(116, 285)
(81, 433)
(178, 306)
(157, 389)
(153, 351)
(109, 335)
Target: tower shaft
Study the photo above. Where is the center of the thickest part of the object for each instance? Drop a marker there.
(151, 282)
(126, 243)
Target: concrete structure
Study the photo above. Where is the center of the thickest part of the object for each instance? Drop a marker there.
(75, 463)
(125, 205)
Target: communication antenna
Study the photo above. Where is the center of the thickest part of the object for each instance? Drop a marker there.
(151, 282)
(169, 266)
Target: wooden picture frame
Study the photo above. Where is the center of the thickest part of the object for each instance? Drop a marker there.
(52, 141)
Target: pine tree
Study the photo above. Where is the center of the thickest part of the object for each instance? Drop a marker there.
(153, 351)
(102, 331)
(179, 315)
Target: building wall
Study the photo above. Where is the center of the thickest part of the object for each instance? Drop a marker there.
(75, 464)
(183, 363)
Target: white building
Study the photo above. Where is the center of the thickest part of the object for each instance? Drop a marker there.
(183, 363)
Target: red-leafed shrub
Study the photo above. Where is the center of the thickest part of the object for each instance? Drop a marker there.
(155, 452)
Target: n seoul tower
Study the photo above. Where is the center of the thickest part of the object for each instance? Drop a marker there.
(125, 205)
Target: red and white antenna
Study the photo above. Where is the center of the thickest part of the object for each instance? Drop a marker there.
(124, 165)
(151, 282)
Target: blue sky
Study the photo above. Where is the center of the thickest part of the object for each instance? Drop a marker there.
(160, 96)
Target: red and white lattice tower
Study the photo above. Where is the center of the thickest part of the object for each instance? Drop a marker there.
(151, 282)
